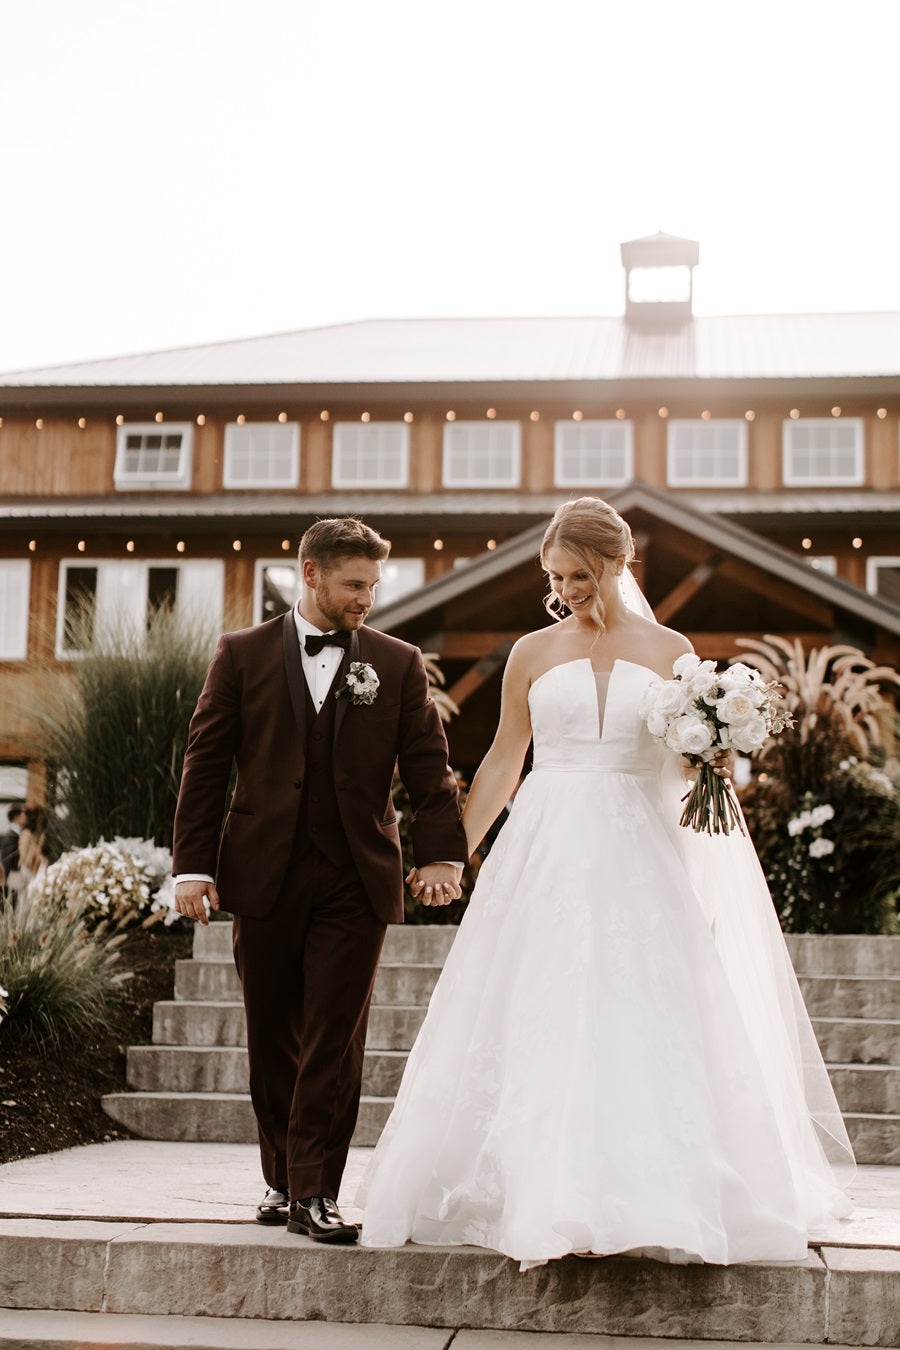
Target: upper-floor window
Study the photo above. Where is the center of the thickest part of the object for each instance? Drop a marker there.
(15, 582)
(593, 453)
(482, 454)
(399, 577)
(823, 451)
(111, 596)
(151, 455)
(370, 454)
(707, 453)
(262, 454)
(883, 577)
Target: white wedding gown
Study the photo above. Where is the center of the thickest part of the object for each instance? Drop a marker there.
(616, 1056)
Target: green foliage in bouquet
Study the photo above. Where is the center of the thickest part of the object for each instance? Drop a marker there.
(824, 804)
(59, 980)
(114, 730)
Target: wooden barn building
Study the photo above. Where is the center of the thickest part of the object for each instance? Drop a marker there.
(756, 458)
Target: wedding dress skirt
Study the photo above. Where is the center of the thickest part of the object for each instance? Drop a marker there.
(616, 1056)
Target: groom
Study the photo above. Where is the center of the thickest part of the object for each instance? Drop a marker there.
(315, 710)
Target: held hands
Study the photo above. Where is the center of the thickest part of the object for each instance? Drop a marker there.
(722, 763)
(435, 884)
(189, 897)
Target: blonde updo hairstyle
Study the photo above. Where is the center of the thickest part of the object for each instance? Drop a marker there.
(594, 533)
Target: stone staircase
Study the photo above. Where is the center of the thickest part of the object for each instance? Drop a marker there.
(191, 1083)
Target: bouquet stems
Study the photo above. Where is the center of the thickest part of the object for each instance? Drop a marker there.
(710, 805)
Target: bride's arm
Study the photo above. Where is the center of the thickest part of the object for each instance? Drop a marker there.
(496, 779)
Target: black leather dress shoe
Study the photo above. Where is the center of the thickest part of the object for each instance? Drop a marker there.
(273, 1207)
(318, 1217)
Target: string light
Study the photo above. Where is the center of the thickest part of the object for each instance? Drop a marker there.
(130, 546)
(407, 417)
(857, 542)
(451, 416)
(285, 545)
(241, 419)
(158, 417)
(32, 545)
(438, 545)
(492, 543)
(663, 412)
(491, 413)
(881, 412)
(365, 417)
(282, 417)
(237, 546)
(620, 414)
(706, 414)
(1, 421)
(180, 546)
(577, 415)
(535, 416)
(120, 420)
(806, 543)
(835, 412)
(82, 423)
(81, 546)
(201, 419)
(324, 415)
(39, 423)
(794, 413)
(750, 415)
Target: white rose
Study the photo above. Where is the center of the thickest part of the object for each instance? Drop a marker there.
(670, 698)
(689, 735)
(751, 735)
(656, 723)
(735, 708)
(820, 814)
(686, 665)
(820, 848)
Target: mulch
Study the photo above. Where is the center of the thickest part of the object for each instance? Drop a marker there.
(51, 1100)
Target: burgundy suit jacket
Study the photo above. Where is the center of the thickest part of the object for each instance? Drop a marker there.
(252, 712)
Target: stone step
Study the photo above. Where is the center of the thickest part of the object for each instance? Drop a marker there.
(184, 1023)
(873, 1089)
(406, 985)
(844, 954)
(217, 1117)
(868, 996)
(846, 1296)
(187, 1068)
(875, 1139)
(417, 944)
(856, 1040)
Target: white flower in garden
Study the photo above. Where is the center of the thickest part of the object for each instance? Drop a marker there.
(751, 735)
(797, 824)
(819, 814)
(820, 848)
(736, 708)
(689, 735)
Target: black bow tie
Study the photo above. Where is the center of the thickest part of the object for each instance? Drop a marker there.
(313, 643)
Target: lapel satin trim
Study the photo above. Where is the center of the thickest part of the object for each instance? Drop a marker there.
(351, 655)
(296, 680)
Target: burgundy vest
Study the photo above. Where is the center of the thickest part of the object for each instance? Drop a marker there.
(319, 822)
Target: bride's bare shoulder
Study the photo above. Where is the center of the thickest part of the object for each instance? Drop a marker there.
(662, 646)
(534, 653)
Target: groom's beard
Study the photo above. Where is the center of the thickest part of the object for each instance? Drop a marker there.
(348, 617)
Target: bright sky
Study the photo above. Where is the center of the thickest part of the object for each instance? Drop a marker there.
(182, 171)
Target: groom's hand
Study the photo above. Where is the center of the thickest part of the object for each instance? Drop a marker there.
(189, 897)
(436, 883)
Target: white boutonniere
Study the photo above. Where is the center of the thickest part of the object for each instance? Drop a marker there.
(361, 684)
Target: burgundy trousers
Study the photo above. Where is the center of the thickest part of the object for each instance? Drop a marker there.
(307, 971)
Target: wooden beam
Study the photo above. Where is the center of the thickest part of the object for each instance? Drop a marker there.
(686, 589)
(476, 675)
(784, 594)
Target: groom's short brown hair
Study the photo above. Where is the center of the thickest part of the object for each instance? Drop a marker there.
(327, 541)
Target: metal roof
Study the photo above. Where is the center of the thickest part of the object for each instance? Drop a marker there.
(508, 350)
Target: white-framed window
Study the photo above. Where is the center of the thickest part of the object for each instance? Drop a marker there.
(883, 577)
(153, 455)
(15, 587)
(823, 452)
(276, 587)
(262, 454)
(399, 577)
(115, 595)
(703, 453)
(482, 454)
(822, 562)
(370, 454)
(593, 453)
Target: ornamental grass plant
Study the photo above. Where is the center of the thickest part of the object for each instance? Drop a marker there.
(59, 979)
(113, 727)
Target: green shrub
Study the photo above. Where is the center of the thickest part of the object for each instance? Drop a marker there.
(114, 733)
(59, 979)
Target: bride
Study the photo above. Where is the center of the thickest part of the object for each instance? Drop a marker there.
(616, 1057)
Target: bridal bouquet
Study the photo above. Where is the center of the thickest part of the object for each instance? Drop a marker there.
(702, 712)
